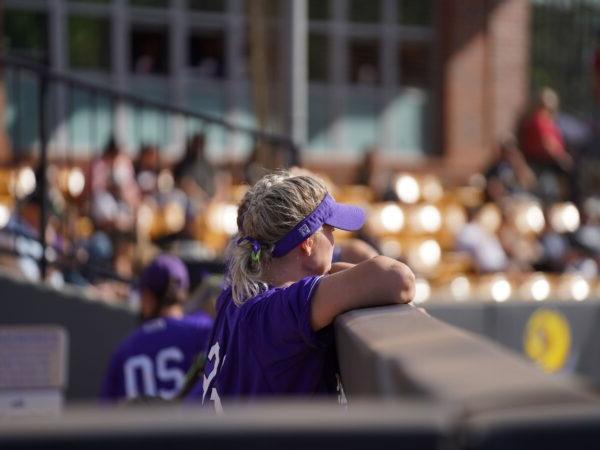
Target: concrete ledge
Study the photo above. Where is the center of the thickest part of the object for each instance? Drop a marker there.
(402, 352)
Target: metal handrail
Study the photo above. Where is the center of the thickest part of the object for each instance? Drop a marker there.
(48, 76)
(52, 75)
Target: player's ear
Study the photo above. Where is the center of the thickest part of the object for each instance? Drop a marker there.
(307, 246)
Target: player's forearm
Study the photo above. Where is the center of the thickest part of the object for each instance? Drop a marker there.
(378, 281)
(390, 282)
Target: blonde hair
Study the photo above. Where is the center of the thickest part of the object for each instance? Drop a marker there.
(268, 211)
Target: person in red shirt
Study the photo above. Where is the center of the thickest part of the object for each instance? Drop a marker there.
(544, 148)
(542, 140)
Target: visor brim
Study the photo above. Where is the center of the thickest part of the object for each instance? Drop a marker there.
(346, 217)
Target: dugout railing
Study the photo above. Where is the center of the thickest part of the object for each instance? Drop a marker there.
(45, 125)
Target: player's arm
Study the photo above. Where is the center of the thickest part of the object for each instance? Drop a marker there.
(339, 266)
(377, 281)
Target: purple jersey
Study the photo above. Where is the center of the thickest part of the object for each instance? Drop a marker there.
(154, 359)
(267, 347)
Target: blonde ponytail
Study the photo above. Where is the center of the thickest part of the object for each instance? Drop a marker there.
(268, 211)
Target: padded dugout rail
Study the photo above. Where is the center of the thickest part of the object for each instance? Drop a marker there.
(401, 352)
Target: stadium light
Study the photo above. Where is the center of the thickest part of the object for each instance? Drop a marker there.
(490, 217)
(426, 255)
(422, 291)
(4, 215)
(391, 218)
(500, 289)
(25, 182)
(529, 218)
(222, 218)
(536, 287)
(574, 287)
(174, 215)
(460, 288)
(386, 218)
(407, 189)
(75, 182)
(454, 218)
(427, 219)
(431, 188)
(564, 217)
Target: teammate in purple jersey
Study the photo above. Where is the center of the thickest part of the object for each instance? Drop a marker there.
(273, 333)
(154, 359)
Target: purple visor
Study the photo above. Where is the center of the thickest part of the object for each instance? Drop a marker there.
(344, 217)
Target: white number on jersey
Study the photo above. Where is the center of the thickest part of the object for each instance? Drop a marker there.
(213, 355)
(153, 371)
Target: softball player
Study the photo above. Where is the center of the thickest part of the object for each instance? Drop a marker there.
(153, 360)
(273, 333)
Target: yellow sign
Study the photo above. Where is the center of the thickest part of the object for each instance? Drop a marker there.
(547, 339)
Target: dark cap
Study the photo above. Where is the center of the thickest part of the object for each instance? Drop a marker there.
(162, 271)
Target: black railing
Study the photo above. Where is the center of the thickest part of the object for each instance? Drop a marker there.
(50, 86)
(48, 76)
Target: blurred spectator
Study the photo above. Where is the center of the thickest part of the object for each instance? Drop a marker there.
(265, 157)
(586, 241)
(147, 166)
(542, 140)
(523, 250)
(21, 235)
(194, 173)
(509, 174)
(114, 191)
(370, 173)
(366, 172)
(99, 256)
(555, 247)
(256, 165)
(572, 252)
(588, 234)
(483, 246)
(544, 147)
